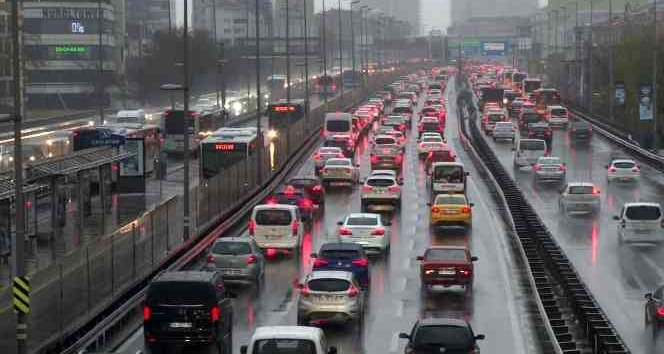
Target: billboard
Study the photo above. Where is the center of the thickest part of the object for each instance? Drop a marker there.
(645, 101)
(494, 48)
(619, 94)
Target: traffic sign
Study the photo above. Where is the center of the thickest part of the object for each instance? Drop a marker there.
(21, 291)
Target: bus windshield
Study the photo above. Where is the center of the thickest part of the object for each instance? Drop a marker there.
(449, 174)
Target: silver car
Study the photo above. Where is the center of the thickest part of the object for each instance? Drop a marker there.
(579, 197)
(549, 169)
(366, 230)
(340, 172)
(330, 296)
(239, 259)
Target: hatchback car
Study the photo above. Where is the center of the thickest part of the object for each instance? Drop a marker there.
(504, 130)
(640, 222)
(579, 197)
(386, 157)
(623, 170)
(313, 186)
(330, 296)
(451, 210)
(290, 195)
(239, 259)
(343, 256)
(446, 266)
(325, 153)
(580, 131)
(441, 335)
(430, 143)
(367, 230)
(549, 169)
(380, 190)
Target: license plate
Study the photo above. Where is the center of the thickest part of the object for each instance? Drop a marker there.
(181, 325)
(231, 271)
(446, 272)
(335, 184)
(625, 179)
(641, 232)
(329, 298)
(274, 236)
(449, 211)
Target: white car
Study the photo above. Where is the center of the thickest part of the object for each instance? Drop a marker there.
(504, 130)
(276, 226)
(557, 115)
(325, 153)
(380, 190)
(340, 172)
(579, 197)
(430, 134)
(283, 339)
(640, 222)
(623, 170)
(429, 144)
(527, 151)
(367, 230)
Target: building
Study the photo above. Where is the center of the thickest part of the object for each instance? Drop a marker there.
(236, 20)
(296, 20)
(63, 53)
(409, 11)
(151, 15)
(462, 11)
(6, 98)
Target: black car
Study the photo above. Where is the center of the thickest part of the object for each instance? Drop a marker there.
(654, 310)
(188, 308)
(438, 335)
(291, 195)
(313, 186)
(580, 131)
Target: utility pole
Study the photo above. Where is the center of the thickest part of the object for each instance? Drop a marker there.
(100, 62)
(655, 137)
(246, 45)
(19, 241)
(214, 37)
(220, 66)
(324, 53)
(288, 78)
(259, 109)
(187, 152)
(611, 82)
(306, 63)
(352, 34)
(590, 62)
(341, 57)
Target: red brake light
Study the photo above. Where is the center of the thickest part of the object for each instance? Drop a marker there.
(394, 188)
(271, 201)
(147, 313)
(215, 313)
(562, 168)
(399, 158)
(353, 291)
(340, 155)
(345, 232)
(465, 210)
(378, 232)
(595, 190)
(289, 190)
(252, 227)
(320, 262)
(374, 158)
(660, 311)
(211, 259)
(464, 272)
(251, 259)
(362, 262)
(435, 209)
(537, 167)
(304, 291)
(294, 227)
(317, 189)
(317, 156)
(612, 169)
(367, 188)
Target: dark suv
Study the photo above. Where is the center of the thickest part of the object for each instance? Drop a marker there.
(188, 307)
(438, 335)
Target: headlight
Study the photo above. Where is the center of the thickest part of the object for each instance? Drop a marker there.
(32, 158)
(271, 134)
(49, 142)
(429, 271)
(237, 107)
(504, 100)
(91, 122)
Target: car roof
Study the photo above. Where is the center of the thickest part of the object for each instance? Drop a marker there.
(442, 321)
(327, 274)
(339, 159)
(289, 332)
(456, 163)
(448, 247)
(520, 140)
(363, 215)
(556, 107)
(275, 207)
(340, 246)
(381, 172)
(232, 239)
(631, 204)
(185, 276)
(622, 160)
(580, 184)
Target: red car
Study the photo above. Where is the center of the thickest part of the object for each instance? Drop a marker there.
(446, 155)
(447, 266)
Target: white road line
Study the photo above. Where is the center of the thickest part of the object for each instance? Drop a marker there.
(406, 263)
(411, 244)
(131, 341)
(398, 311)
(653, 264)
(401, 285)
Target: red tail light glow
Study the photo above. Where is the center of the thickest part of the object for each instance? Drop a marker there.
(305, 291)
(211, 259)
(596, 190)
(319, 262)
(660, 311)
(340, 155)
(374, 158)
(464, 272)
(317, 156)
(317, 189)
(367, 188)
(147, 313)
(435, 210)
(362, 262)
(394, 188)
(537, 167)
(252, 227)
(215, 313)
(378, 232)
(251, 259)
(612, 169)
(398, 158)
(271, 201)
(465, 210)
(345, 232)
(294, 227)
(353, 291)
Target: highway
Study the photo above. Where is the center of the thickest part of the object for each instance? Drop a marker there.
(395, 302)
(618, 276)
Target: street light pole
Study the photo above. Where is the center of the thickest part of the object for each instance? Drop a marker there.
(352, 33)
(100, 61)
(611, 82)
(341, 58)
(259, 155)
(186, 228)
(655, 136)
(590, 62)
(288, 64)
(306, 63)
(214, 37)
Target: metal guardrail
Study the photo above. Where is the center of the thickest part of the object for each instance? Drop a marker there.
(558, 284)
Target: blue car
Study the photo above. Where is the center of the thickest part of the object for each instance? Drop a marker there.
(344, 256)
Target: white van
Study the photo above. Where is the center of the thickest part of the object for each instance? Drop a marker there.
(527, 151)
(135, 116)
(277, 226)
(640, 222)
(338, 123)
(448, 177)
(288, 339)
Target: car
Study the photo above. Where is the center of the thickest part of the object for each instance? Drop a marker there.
(446, 266)
(403, 109)
(528, 117)
(276, 226)
(430, 124)
(430, 134)
(345, 142)
(580, 131)
(541, 130)
(239, 259)
(290, 195)
(579, 197)
(640, 222)
(441, 335)
(504, 130)
(287, 339)
(340, 172)
(380, 190)
(367, 230)
(386, 157)
(396, 122)
(343, 256)
(492, 117)
(430, 144)
(188, 308)
(527, 151)
(549, 169)
(654, 309)
(323, 154)
(557, 116)
(451, 210)
(330, 296)
(399, 138)
(313, 186)
(433, 99)
(386, 139)
(623, 170)
(337, 123)
(444, 155)
(447, 177)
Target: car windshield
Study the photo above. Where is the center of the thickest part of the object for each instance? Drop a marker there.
(581, 189)
(451, 174)
(362, 221)
(337, 125)
(450, 199)
(531, 145)
(452, 336)
(284, 346)
(273, 217)
(337, 163)
(341, 254)
(384, 141)
(549, 161)
(643, 212)
(558, 111)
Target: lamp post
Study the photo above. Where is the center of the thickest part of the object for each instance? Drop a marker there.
(352, 33)
(214, 38)
(306, 61)
(341, 57)
(655, 136)
(590, 61)
(324, 35)
(363, 35)
(259, 109)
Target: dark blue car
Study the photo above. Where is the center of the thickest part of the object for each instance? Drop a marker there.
(343, 256)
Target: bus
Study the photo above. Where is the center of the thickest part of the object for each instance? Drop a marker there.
(91, 137)
(151, 135)
(530, 85)
(201, 124)
(226, 147)
(276, 86)
(282, 114)
(546, 97)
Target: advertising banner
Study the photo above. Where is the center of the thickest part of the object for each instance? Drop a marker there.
(134, 166)
(619, 99)
(645, 101)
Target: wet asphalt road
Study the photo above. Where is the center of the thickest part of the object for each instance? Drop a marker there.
(618, 276)
(395, 302)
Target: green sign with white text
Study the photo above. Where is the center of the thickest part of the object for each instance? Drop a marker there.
(71, 49)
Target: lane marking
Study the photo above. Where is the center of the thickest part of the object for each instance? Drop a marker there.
(653, 264)
(131, 341)
(398, 311)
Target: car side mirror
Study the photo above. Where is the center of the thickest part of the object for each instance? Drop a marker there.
(340, 223)
(473, 259)
(480, 337)
(428, 204)
(400, 182)
(616, 217)
(404, 336)
(472, 204)
(332, 350)
(243, 349)
(419, 258)
(648, 296)
(314, 255)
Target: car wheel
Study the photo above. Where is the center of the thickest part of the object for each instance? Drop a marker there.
(424, 288)
(655, 328)
(494, 138)
(621, 241)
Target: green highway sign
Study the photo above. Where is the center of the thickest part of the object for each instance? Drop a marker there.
(71, 49)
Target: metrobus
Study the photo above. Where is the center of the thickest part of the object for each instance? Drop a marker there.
(151, 135)
(546, 97)
(276, 86)
(226, 147)
(282, 114)
(530, 85)
(201, 124)
(91, 137)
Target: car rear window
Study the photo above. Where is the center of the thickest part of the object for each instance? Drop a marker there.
(429, 126)
(180, 293)
(452, 336)
(496, 117)
(303, 182)
(581, 190)
(273, 217)
(384, 141)
(558, 111)
(284, 346)
(337, 163)
(328, 285)
(336, 143)
(337, 125)
(531, 145)
(504, 125)
(549, 161)
(402, 110)
(341, 254)
(329, 151)
(380, 182)
(362, 221)
(643, 212)
(231, 248)
(450, 199)
(581, 125)
(445, 254)
(625, 164)
(432, 139)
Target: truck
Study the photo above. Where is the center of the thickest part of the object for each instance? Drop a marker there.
(491, 94)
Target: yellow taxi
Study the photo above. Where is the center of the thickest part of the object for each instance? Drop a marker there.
(451, 210)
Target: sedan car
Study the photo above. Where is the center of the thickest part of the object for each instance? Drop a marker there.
(380, 190)
(290, 195)
(623, 170)
(579, 197)
(431, 124)
(386, 157)
(549, 169)
(445, 155)
(325, 153)
(441, 335)
(340, 172)
(343, 141)
(429, 144)
(654, 309)
(313, 186)
(451, 210)
(349, 257)
(330, 297)
(366, 230)
(446, 266)
(239, 259)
